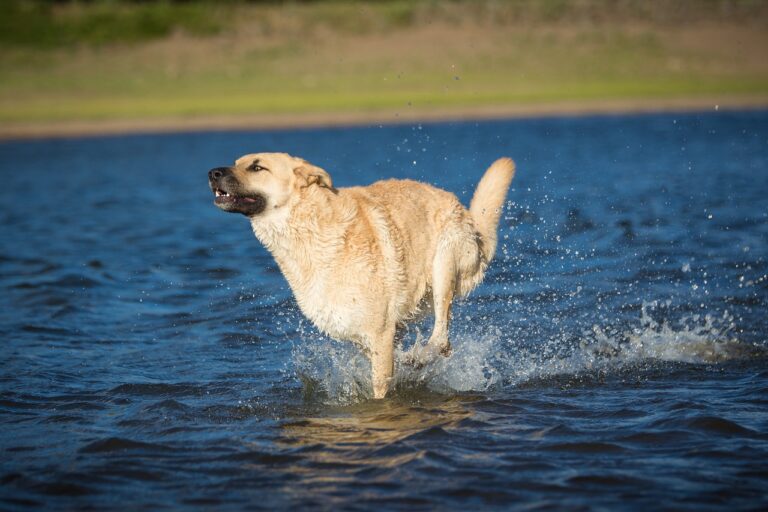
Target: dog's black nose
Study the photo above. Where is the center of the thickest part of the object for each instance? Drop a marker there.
(218, 172)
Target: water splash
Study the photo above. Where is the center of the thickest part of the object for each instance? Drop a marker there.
(337, 372)
(695, 339)
(333, 371)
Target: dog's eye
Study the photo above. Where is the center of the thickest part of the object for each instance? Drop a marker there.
(255, 167)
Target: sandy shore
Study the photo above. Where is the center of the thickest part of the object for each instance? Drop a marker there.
(15, 131)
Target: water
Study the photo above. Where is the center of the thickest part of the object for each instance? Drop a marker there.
(614, 358)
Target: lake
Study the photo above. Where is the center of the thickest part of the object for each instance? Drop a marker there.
(616, 356)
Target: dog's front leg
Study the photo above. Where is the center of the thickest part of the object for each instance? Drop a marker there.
(382, 362)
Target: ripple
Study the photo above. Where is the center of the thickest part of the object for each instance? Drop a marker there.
(118, 444)
(431, 434)
(133, 474)
(269, 459)
(707, 425)
(168, 405)
(15, 404)
(585, 447)
(577, 222)
(606, 480)
(718, 425)
(49, 331)
(68, 282)
(158, 389)
(63, 418)
(63, 489)
(657, 438)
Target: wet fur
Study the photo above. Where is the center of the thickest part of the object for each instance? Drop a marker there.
(361, 260)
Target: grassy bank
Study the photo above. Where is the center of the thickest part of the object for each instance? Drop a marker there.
(106, 61)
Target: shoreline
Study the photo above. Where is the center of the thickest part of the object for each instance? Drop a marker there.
(288, 121)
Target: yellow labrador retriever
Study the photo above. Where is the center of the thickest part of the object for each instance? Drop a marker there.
(362, 261)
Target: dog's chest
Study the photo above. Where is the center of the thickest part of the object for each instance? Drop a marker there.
(318, 283)
(335, 310)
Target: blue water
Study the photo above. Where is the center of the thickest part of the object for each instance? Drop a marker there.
(614, 358)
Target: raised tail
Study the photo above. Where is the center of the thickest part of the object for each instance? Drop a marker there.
(488, 202)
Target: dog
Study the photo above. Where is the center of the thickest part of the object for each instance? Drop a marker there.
(363, 261)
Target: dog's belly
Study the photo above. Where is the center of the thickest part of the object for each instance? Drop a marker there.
(355, 312)
(338, 313)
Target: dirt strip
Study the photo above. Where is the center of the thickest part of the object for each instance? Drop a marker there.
(80, 128)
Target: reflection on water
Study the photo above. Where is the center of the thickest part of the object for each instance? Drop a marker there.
(360, 430)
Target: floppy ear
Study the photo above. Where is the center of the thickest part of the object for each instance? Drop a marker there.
(309, 174)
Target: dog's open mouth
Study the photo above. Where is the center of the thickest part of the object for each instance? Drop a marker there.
(247, 205)
(225, 197)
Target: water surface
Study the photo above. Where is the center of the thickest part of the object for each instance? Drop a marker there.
(615, 357)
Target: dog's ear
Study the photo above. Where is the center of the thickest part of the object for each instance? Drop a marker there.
(309, 174)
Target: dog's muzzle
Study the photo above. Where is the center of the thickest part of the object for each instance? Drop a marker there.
(228, 194)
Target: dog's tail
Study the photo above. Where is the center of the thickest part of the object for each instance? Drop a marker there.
(488, 201)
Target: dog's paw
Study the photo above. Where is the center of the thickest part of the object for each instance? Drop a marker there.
(422, 355)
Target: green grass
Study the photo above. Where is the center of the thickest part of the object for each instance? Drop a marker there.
(199, 103)
(39, 24)
(118, 60)
(48, 24)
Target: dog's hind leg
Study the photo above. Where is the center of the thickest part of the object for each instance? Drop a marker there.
(443, 288)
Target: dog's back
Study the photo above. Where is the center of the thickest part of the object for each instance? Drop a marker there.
(406, 219)
(419, 226)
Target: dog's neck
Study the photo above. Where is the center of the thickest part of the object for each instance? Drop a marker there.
(295, 233)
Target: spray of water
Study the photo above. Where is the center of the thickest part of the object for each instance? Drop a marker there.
(488, 358)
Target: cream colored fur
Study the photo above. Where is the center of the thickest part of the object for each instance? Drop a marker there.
(362, 260)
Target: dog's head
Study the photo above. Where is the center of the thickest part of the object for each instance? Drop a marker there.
(263, 182)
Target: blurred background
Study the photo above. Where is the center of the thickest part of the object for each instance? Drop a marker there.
(118, 65)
